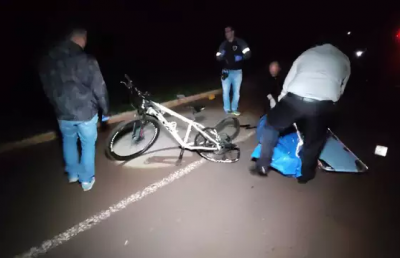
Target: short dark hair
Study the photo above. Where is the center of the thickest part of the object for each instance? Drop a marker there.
(77, 32)
(230, 27)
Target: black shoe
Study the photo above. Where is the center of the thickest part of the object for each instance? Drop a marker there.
(257, 170)
(303, 180)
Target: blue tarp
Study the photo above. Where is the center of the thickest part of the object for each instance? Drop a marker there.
(284, 158)
(335, 156)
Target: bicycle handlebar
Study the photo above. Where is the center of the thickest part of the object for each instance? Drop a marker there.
(131, 87)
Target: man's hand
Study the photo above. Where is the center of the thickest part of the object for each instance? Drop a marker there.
(104, 118)
(272, 102)
(283, 94)
(104, 126)
(238, 58)
(220, 55)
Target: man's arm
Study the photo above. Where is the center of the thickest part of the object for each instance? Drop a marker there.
(43, 70)
(221, 52)
(245, 49)
(346, 79)
(289, 78)
(98, 86)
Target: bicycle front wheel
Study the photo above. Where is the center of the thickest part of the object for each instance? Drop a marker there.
(126, 142)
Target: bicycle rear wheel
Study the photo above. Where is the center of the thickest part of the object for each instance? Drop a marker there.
(229, 152)
(125, 144)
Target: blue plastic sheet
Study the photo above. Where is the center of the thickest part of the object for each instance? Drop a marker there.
(335, 156)
(284, 158)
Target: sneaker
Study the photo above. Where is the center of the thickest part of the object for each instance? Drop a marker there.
(86, 186)
(256, 170)
(228, 112)
(73, 179)
(235, 113)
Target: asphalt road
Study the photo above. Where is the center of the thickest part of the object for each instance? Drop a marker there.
(204, 209)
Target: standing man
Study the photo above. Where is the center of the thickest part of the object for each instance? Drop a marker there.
(314, 84)
(275, 81)
(231, 53)
(272, 84)
(73, 83)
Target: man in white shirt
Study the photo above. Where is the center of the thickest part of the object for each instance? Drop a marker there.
(314, 84)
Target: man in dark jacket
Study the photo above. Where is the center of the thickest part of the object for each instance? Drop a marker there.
(275, 81)
(73, 83)
(271, 84)
(231, 53)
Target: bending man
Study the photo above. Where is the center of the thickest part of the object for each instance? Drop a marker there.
(314, 84)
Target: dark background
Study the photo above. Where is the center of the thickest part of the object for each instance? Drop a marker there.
(166, 43)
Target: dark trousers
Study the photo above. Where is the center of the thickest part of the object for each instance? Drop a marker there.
(314, 118)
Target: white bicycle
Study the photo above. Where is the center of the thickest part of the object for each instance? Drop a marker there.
(140, 134)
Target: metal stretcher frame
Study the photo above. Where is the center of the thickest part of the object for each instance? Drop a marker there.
(337, 157)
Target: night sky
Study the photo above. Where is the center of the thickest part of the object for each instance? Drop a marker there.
(170, 40)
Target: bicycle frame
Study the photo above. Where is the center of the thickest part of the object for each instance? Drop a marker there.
(157, 110)
(171, 127)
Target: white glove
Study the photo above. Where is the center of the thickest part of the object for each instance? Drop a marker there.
(272, 101)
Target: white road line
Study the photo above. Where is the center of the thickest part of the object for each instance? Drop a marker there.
(105, 214)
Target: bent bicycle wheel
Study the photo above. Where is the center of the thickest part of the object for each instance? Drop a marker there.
(229, 152)
(126, 142)
(229, 126)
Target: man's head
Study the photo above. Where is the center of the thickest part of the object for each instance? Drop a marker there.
(79, 37)
(229, 33)
(274, 68)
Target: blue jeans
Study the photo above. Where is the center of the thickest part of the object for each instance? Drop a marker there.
(234, 79)
(82, 167)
